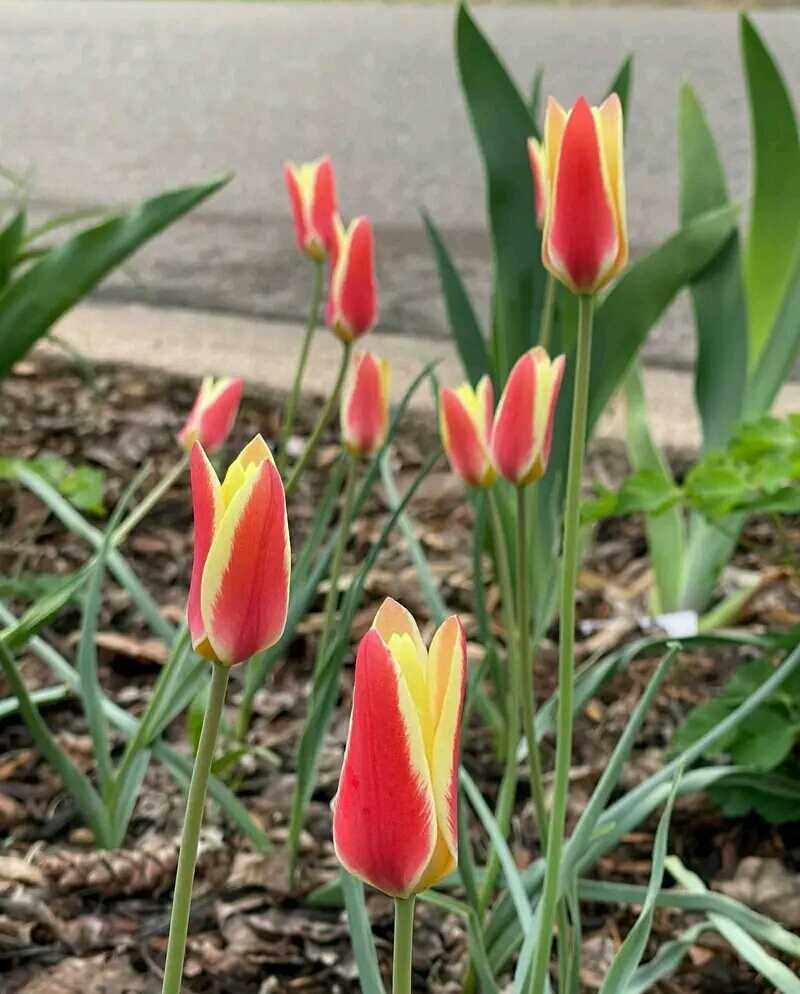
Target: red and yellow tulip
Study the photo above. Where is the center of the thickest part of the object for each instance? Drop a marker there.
(239, 592)
(212, 415)
(585, 242)
(539, 172)
(395, 813)
(365, 405)
(352, 307)
(523, 426)
(312, 191)
(465, 424)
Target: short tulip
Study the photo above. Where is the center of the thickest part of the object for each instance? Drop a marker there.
(523, 426)
(395, 813)
(465, 424)
(312, 191)
(585, 242)
(365, 405)
(539, 174)
(212, 415)
(239, 592)
(352, 308)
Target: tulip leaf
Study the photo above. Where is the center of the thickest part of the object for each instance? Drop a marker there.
(503, 123)
(31, 303)
(772, 248)
(621, 85)
(369, 974)
(720, 309)
(10, 241)
(778, 354)
(464, 325)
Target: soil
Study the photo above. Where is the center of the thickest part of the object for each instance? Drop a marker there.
(75, 919)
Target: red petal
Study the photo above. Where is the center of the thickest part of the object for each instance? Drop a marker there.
(357, 292)
(298, 209)
(513, 433)
(206, 509)
(324, 205)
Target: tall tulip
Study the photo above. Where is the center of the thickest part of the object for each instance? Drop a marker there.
(212, 415)
(365, 405)
(352, 308)
(585, 243)
(523, 426)
(465, 425)
(312, 192)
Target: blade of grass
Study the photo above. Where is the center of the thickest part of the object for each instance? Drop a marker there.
(369, 974)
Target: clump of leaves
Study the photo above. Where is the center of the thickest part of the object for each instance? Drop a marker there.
(757, 472)
(83, 486)
(767, 739)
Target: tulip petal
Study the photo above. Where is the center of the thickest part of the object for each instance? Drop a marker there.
(219, 413)
(460, 437)
(513, 435)
(393, 619)
(207, 509)
(555, 120)
(610, 126)
(384, 820)
(556, 375)
(245, 586)
(365, 405)
(290, 173)
(323, 203)
(354, 306)
(537, 161)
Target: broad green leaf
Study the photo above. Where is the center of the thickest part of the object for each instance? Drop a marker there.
(10, 240)
(737, 800)
(710, 548)
(764, 739)
(621, 85)
(369, 974)
(746, 679)
(720, 309)
(83, 487)
(503, 124)
(771, 255)
(464, 325)
(776, 359)
(31, 303)
(535, 100)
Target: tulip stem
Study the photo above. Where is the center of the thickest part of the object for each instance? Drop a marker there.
(548, 312)
(403, 943)
(566, 674)
(322, 422)
(144, 507)
(195, 802)
(311, 327)
(331, 598)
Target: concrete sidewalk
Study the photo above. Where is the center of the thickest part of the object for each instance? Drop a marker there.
(197, 343)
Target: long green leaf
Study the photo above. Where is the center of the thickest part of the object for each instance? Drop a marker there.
(35, 300)
(47, 695)
(503, 123)
(621, 85)
(666, 960)
(720, 308)
(39, 614)
(464, 325)
(10, 240)
(778, 355)
(369, 974)
(772, 245)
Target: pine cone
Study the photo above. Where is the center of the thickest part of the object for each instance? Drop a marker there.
(112, 872)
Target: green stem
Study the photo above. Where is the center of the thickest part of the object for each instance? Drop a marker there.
(403, 943)
(195, 802)
(144, 507)
(321, 424)
(526, 669)
(311, 327)
(548, 312)
(577, 448)
(332, 598)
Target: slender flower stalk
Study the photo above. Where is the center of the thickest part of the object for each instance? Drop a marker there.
(548, 312)
(566, 675)
(145, 506)
(403, 944)
(195, 802)
(322, 422)
(311, 327)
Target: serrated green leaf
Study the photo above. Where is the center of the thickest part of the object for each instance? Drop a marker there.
(764, 739)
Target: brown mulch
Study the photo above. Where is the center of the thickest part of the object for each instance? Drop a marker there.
(73, 919)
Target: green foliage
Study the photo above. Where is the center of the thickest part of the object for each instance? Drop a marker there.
(765, 740)
(83, 485)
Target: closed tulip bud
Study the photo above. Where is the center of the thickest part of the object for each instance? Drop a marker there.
(352, 307)
(539, 174)
(212, 415)
(365, 405)
(465, 424)
(395, 813)
(239, 592)
(523, 426)
(585, 241)
(312, 191)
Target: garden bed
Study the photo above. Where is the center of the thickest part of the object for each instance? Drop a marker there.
(74, 919)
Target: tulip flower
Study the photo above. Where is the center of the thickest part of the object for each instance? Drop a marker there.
(239, 591)
(523, 426)
(312, 191)
(212, 415)
(365, 405)
(539, 173)
(585, 242)
(465, 424)
(395, 813)
(352, 308)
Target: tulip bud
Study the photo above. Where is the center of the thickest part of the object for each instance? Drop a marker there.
(539, 173)
(312, 191)
(239, 592)
(465, 424)
(352, 307)
(585, 242)
(365, 405)
(395, 818)
(523, 427)
(212, 415)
